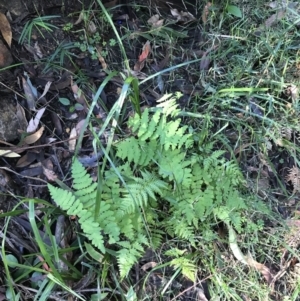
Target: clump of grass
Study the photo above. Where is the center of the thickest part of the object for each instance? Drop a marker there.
(39, 23)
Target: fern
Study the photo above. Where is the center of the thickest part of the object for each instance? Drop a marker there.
(73, 206)
(137, 193)
(173, 186)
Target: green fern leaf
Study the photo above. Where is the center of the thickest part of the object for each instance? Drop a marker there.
(144, 121)
(129, 149)
(151, 126)
(69, 203)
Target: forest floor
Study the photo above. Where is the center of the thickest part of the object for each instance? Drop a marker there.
(234, 69)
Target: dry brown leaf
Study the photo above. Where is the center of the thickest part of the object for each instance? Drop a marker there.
(5, 29)
(293, 91)
(143, 57)
(264, 162)
(294, 177)
(265, 271)
(80, 18)
(34, 122)
(79, 126)
(153, 19)
(27, 159)
(72, 142)
(275, 18)
(50, 140)
(78, 94)
(155, 22)
(46, 89)
(34, 137)
(38, 50)
(101, 58)
(29, 95)
(50, 174)
(283, 4)
(92, 27)
(286, 133)
(248, 260)
(8, 153)
(182, 16)
(21, 116)
(205, 60)
(148, 265)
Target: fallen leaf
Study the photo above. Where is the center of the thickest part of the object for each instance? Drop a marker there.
(31, 50)
(38, 51)
(79, 126)
(248, 260)
(78, 94)
(34, 122)
(50, 174)
(205, 60)
(143, 56)
(182, 16)
(294, 177)
(293, 91)
(148, 265)
(8, 153)
(5, 56)
(21, 116)
(72, 141)
(50, 140)
(283, 4)
(101, 58)
(155, 22)
(46, 89)
(275, 18)
(27, 159)
(80, 18)
(255, 108)
(32, 172)
(57, 123)
(92, 27)
(34, 137)
(44, 263)
(29, 95)
(5, 29)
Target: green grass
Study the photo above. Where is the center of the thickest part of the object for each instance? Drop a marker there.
(39, 24)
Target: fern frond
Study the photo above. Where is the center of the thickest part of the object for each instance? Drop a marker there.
(186, 265)
(212, 159)
(129, 254)
(137, 193)
(68, 202)
(151, 127)
(85, 188)
(168, 105)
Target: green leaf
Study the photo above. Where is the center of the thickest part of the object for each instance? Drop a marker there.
(11, 260)
(234, 10)
(64, 101)
(79, 107)
(98, 297)
(93, 253)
